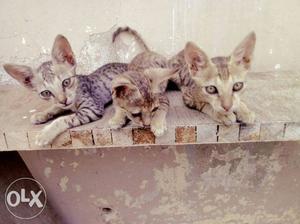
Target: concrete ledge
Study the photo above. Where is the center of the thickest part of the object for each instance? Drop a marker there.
(275, 97)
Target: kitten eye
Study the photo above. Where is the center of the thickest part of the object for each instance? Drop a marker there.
(237, 86)
(66, 82)
(154, 109)
(136, 114)
(211, 89)
(46, 94)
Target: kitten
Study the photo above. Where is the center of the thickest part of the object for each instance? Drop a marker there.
(56, 80)
(139, 97)
(214, 86)
(139, 93)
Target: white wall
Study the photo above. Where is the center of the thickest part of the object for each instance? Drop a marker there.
(28, 27)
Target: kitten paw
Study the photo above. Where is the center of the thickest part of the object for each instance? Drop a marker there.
(248, 118)
(158, 128)
(114, 124)
(38, 118)
(45, 137)
(227, 119)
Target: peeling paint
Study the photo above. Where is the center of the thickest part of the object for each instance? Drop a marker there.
(74, 165)
(143, 184)
(121, 194)
(90, 152)
(62, 164)
(239, 168)
(49, 160)
(47, 172)
(172, 180)
(260, 216)
(63, 183)
(76, 152)
(100, 202)
(77, 187)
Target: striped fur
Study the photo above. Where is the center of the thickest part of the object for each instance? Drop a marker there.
(137, 96)
(85, 95)
(213, 86)
(142, 89)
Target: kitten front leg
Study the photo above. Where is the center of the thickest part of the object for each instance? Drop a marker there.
(226, 119)
(61, 124)
(119, 118)
(245, 115)
(44, 116)
(159, 121)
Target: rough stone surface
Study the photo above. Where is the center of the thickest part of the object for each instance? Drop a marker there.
(273, 119)
(228, 133)
(253, 183)
(17, 140)
(272, 131)
(81, 138)
(249, 132)
(102, 137)
(292, 131)
(122, 137)
(143, 136)
(206, 133)
(185, 134)
(63, 141)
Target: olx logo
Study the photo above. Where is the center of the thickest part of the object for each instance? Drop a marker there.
(25, 198)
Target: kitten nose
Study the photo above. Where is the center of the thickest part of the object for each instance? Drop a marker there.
(227, 107)
(63, 101)
(226, 103)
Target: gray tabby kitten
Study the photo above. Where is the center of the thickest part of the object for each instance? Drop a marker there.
(138, 94)
(214, 85)
(139, 97)
(56, 80)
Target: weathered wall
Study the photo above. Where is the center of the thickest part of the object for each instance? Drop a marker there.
(234, 184)
(29, 27)
(247, 183)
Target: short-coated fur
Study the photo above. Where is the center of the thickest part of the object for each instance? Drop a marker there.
(56, 80)
(139, 93)
(214, 86)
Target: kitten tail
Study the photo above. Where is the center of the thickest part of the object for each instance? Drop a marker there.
(132, 32)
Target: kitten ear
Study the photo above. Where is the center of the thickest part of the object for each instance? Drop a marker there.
(196, 59)
(159, 75)
(124, 89)
(62, 51)
(243, 53)
(23, 74)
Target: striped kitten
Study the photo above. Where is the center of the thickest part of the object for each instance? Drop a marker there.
(139, 97)
(139, 93)
(214, 86)
(56, 80)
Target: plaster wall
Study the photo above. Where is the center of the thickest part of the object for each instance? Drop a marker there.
(28, 27)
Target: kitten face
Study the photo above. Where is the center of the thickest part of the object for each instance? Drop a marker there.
(59, 84)
(53, 80)
(221, 80)
(137, 93)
